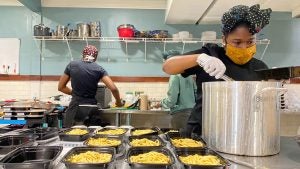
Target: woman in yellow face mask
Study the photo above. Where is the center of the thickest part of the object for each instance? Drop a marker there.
(235, 58)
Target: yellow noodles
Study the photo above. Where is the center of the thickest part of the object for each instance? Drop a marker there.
(112, 132)
(142, 132)
(186, 142)
(77, 132)
(151, 157)
(90, 157)
(103, 142)
(144, 142)
(200, 160)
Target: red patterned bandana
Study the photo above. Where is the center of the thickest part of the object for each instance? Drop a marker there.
(90, 51)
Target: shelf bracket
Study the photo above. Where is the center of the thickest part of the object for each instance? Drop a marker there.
(263, 54)
(145, 56)
(126, 50)
(70, 52)
(183, 46)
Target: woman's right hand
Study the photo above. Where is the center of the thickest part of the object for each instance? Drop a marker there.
(211, 65)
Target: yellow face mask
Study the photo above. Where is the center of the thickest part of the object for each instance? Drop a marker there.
(240, 56)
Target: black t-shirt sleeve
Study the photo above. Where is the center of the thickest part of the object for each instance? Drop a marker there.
(195, 69)
(103, 72)
(68, 69)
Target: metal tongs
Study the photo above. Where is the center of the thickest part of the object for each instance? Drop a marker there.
(227, 78)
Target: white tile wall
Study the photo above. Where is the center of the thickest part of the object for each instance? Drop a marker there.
(44, 89)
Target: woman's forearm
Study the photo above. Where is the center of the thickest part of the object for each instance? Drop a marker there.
(178, 64)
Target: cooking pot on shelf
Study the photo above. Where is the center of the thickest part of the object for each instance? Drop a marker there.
(242, 117)
(83, 30)
(126, 31)
(41, 30)
(61, 31)
(95, 29)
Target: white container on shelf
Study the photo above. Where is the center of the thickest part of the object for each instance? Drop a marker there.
(209, 35)
(184, 34)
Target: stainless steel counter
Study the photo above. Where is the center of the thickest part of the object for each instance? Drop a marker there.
(288, 158)
(129, 112)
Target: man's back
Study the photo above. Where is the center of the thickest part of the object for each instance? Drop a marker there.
(84, 77)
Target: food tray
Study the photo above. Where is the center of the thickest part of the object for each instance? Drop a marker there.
(144, 128)
(11, 142)
(41, 133)
(150, 137)
(40, 157)
(224, 163)
(111, 128)
(179, 137)
(137, 151)
(77, 150)
(66, 137)
(119, 149)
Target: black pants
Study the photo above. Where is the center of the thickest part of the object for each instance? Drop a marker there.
(78, 114)
(193, 128)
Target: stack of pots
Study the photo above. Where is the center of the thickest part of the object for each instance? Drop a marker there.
(89, 30)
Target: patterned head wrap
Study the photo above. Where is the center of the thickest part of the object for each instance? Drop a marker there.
(256, 18)
(90, 50)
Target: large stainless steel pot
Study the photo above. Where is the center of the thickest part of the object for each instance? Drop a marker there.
(242, 117)
(83, 30)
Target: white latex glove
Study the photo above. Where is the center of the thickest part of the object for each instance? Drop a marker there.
(211, 65)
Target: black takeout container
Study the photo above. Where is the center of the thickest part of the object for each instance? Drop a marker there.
(206, 151)
(66, 137)
(175, 136)
(119, 148)
(41, 133)
(11, 142)
(150, 137)
(77, 150)
(39, 157)
(111, 128)
(5, 130)
(136, 151)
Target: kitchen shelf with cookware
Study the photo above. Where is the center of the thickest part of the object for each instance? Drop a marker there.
(136, 40)
(127, 34)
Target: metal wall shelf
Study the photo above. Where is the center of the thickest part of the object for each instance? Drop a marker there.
(127, 41)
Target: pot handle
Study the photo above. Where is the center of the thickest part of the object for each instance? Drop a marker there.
(258, 95)
(270, 89)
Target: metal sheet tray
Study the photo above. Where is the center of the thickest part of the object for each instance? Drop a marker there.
(280, 73)
(155, 129)
(66, 137)
(137, 151)
(11, 142)
(224, 163)
(77, 150)
(40, 157)
(150, 137)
